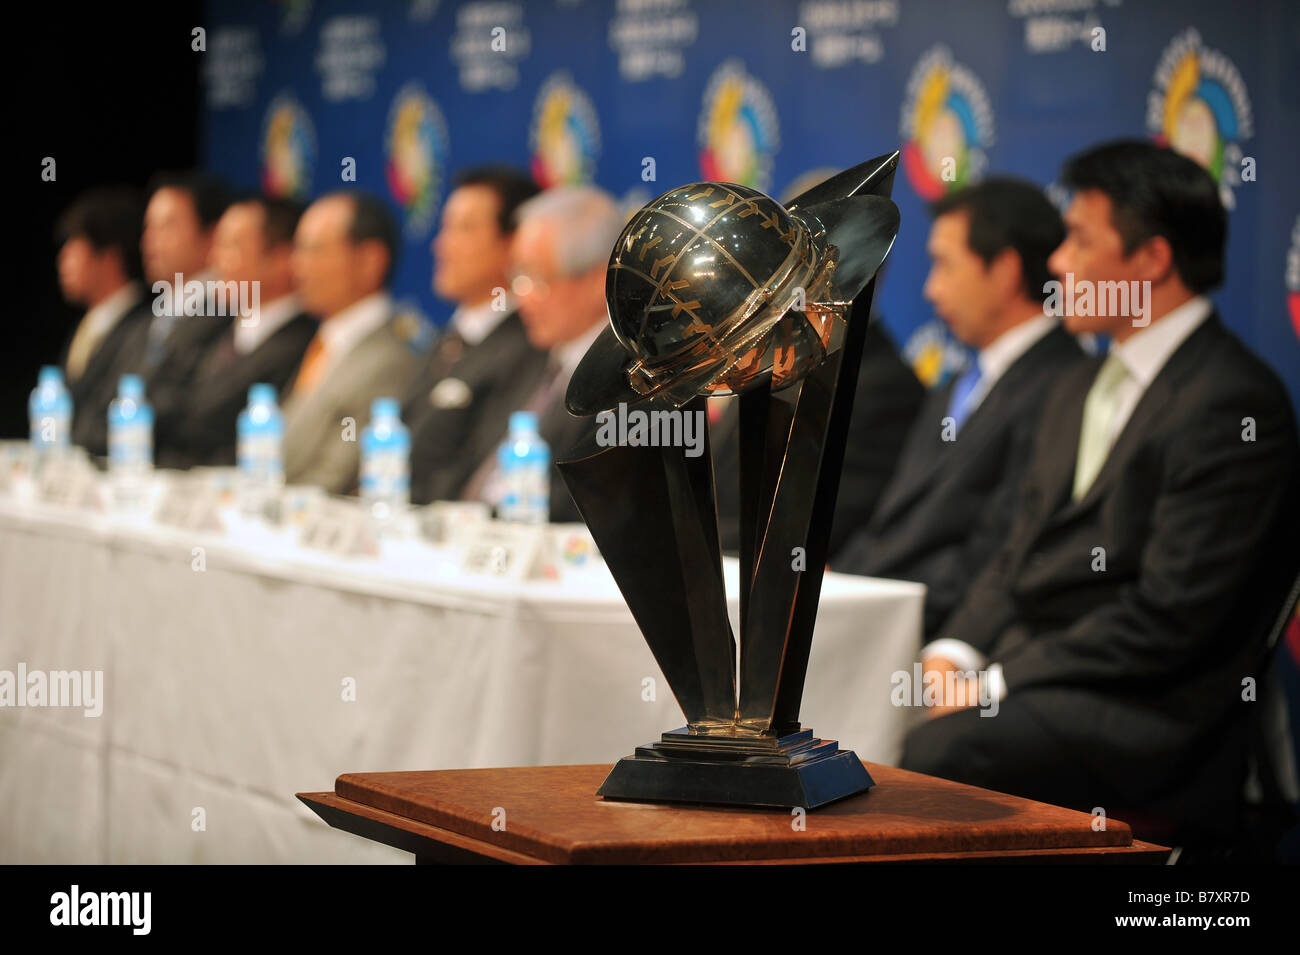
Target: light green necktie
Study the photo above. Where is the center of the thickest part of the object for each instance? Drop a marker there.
(1098, 419)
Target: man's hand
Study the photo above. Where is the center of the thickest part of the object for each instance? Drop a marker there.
(964, 685)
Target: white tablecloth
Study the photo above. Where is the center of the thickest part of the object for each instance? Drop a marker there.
(224, 687)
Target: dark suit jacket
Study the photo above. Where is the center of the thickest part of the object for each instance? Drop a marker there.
(167, 381)
(562, 432)
(460, 404)
(97, 386)
(200, 429)
(1137, 668)
(887, 399)
(949, 503)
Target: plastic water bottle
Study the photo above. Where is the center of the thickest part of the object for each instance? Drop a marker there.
(50, 414)
(386, 462)
(130, 442)
(260, 454)
(524, 463)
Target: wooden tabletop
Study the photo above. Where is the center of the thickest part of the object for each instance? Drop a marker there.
(551, 814)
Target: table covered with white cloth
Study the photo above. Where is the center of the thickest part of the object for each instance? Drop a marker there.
(263, 669)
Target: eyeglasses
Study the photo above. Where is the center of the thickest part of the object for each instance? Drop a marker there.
(524, 284)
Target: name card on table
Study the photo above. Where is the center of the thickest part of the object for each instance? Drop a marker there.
(70, 483)
(190, 505)
(341, 528)
(506, 550)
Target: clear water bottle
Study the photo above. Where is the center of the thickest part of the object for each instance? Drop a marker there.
(386, 462)
(524, 463)
(260, 449)
(50, 414)
(130, 442)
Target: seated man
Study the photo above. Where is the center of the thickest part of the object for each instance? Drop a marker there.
(950, 500)
(253, 243)
(345, 251)
(885, 404)
(1152, 542)
(559, 256)
(482, 367)
(99, 267)
(180, 221)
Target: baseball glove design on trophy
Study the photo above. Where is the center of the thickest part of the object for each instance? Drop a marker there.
(716, 289)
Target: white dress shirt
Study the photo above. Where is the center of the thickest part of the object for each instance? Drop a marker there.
(1143, 354)
(252, 331)
(996, 357)
(98, 322)
(569, 354)
(475, 323)
(101, 319)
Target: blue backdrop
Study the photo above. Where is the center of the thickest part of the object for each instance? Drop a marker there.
(642, 95)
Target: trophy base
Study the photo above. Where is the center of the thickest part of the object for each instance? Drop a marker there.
(742, 770)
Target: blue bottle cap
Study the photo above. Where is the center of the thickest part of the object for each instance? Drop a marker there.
(261, 393)
(130, 386)
(523, 421)
(385, 408)
(50, 375)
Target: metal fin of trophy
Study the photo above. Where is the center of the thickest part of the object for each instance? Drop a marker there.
(716, 289)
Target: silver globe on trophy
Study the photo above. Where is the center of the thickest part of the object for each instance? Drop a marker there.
(715, 289)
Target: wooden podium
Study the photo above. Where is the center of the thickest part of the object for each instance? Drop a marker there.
(551, 815)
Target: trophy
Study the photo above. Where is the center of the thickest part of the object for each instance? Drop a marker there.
(716, 289)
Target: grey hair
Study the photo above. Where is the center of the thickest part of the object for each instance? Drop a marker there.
(587, 223)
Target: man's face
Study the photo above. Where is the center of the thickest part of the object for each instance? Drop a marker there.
(555, 309)
(77, 261)
(1093, 251)
(959, 285)
(238, 245)
(174, 239)
(471, 255)
(329, 268)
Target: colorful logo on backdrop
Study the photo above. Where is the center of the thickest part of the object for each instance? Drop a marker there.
(1293, 277)
(288, 149)
(947, 125)
(565, 135)
(416, 146)
(738, 130)
(934, 354)
(1200, 107)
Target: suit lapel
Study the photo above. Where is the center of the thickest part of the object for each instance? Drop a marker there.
(1160, 395)
(922, 460)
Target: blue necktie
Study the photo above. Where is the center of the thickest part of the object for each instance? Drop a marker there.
(960, 405)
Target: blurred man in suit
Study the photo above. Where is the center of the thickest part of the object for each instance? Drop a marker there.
(253, 244)
(951, 498)
(99, 267)
(885, 404)
(345, 252)
(1153, 538)
(483, 366)
(179, 223)
(559, 256)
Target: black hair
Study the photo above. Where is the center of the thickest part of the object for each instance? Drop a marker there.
(210, 194)
(279, 218)
(1006, 213)
(372, 220)
(512, 186)
(1155, 191)
(108, 218)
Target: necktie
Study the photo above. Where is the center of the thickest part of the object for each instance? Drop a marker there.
(84, 343)
(1097, 430)
(546, 390)
(313, 364)
(963, 392)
